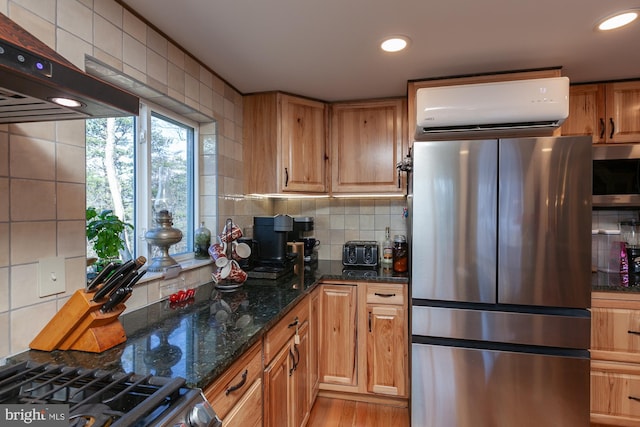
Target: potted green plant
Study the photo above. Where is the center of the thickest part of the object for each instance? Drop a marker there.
(104, 232)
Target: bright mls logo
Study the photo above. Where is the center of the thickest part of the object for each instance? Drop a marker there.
(34, 415)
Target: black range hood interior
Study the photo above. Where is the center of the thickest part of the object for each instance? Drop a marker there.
(33, 76)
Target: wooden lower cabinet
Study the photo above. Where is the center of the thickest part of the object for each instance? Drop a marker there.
(248, 411)
(338, 337)
(386, 350)
(364, 341)
(287, 376)
(237, 395)
(615, 359)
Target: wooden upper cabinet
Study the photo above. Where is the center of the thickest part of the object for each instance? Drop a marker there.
(366, 145)
(607, 111)
(304, 146)
(586, 108)
(284, 144)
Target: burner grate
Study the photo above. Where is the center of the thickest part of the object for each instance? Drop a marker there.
(107, 398)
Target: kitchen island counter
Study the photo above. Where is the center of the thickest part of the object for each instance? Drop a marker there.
(201, 339)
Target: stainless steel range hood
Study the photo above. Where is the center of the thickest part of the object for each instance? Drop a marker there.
(33, 77)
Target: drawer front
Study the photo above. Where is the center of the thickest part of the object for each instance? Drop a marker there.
(235, 381)
(248, 411)
(614, 329)
(278, 336)
(386, 293)
(615, 394)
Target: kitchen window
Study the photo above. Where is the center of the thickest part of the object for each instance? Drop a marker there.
(123, 175)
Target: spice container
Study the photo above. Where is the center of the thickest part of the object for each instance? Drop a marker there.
(400, 254)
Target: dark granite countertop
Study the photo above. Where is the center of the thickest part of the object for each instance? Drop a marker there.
(200, 340)
(615, 282)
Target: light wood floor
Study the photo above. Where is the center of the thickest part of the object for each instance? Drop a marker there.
(328, 412)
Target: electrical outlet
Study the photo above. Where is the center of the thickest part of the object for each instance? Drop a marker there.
(51, 276)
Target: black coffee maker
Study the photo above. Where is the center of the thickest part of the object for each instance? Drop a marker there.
(271, 234)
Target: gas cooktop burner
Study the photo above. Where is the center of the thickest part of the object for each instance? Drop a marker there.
(93, 415)
(99, 398)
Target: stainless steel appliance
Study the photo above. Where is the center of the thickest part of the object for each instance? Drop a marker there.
(616, 176)
(360, 253)
(33, 76)
(100, 398)
(500, 282)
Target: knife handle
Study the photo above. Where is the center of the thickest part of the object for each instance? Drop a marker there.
(108, 287)
(116, 298)
(111, 286)
(102, 276)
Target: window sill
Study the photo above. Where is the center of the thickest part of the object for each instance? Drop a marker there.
(187, 263)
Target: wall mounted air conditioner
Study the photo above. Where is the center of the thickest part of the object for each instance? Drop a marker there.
(518, 107)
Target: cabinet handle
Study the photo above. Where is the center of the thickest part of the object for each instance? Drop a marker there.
(370, 322)
(602, 128)
(633, 332)
(384, 295)
(293, 366)
(294, 323)
(613, 127)
(239, 385)
(286, 177)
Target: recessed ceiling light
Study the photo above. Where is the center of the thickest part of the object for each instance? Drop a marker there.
(618, 20)
(394, 44)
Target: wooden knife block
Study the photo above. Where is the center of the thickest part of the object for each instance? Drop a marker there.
(80, 325)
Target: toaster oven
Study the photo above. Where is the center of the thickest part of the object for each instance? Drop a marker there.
(360, 253)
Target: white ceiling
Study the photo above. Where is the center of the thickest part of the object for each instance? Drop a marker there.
(328, 49)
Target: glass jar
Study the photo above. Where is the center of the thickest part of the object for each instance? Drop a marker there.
(400, 254)
(201, 242)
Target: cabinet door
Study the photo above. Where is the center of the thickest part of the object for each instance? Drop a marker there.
(260, 135)
(338, 308)
(623, 114)
(586, 112)
(300, 378)
(277, 393)
(314, 324)
(386, 350)
(366, 146)
(303, 147)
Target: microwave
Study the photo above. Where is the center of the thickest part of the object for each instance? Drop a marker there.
(616, 176)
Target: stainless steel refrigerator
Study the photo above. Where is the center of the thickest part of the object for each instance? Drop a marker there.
(500, 282)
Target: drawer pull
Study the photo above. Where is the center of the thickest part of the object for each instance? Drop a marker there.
(634, 332)
(637, 399)
(294, 323)
(239, 385)
(384, 295)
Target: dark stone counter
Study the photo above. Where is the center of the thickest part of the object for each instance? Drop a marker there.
(615, 282)
(200, 340)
